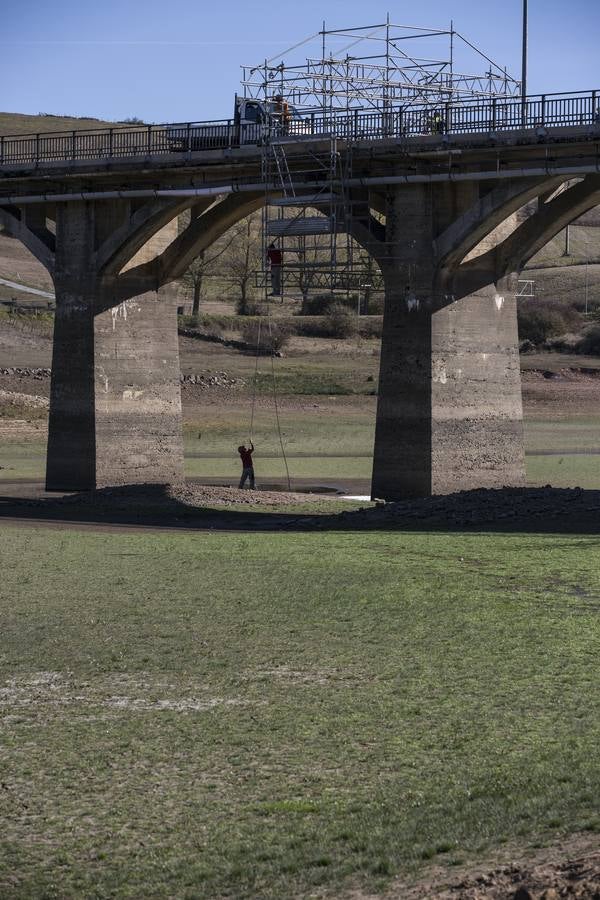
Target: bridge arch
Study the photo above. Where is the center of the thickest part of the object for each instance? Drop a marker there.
(528, 238)
(29, 227)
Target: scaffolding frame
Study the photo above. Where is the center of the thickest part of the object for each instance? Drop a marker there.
(377, 70)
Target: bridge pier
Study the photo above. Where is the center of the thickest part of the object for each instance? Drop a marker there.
(115, 403)
(449, 413)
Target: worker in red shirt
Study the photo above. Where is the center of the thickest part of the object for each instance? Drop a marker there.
(275, 260)
(247, 465)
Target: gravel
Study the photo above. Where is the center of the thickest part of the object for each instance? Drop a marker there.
(505, 507)
(170, 499)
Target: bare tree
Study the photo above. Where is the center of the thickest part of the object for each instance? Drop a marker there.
(245, 258)
(202, 266)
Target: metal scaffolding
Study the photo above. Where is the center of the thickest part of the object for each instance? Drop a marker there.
(376, 67)
(387, 70)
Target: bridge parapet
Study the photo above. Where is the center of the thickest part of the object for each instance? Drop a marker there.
(476, 117)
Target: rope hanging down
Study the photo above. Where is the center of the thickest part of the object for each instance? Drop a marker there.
(276, 406)
(275, 401)
(251, 429)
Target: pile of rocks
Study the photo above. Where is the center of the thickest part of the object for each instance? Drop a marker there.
(16, 398)
(175, 501)
(218, 379)
(207, 380)
(26, 372)
(504, 508)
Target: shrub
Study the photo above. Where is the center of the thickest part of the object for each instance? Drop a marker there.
(187, 321)
(245, 307)
(215, 329)
(371, 327)
(339, 322)
(593, 305)
(565, 343)
(540, 321)
(375, 306)
(273, 336)
(218, 324)
(590, 342)
(316, 305)
(311, 326)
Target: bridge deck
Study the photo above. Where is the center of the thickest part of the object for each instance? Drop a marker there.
(500, 120)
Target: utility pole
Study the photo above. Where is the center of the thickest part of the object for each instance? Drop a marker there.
(524, 64)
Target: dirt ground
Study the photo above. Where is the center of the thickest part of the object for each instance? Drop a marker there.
(565, 392)
(17, 264)
(561, 394)
(570, 869)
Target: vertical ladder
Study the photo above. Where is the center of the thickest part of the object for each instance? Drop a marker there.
(283, 170)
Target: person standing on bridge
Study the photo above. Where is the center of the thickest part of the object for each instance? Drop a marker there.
(247, 465)
(281, 112)
(437, 123)
(275, 261)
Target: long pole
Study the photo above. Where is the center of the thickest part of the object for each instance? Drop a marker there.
(524, 63)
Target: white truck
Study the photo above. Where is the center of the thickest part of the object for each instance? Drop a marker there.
(249, 125)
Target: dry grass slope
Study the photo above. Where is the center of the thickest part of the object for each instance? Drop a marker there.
(17, 123)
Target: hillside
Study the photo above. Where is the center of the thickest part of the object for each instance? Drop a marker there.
(17, 123)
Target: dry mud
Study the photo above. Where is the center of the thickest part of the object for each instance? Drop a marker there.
(567, 869)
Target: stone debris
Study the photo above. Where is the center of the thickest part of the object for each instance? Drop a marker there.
(569, 868)
(503, 507)
(507, 509)
(24, 399)
(173, 500)
(567, 373)
(217, 379)
(205, 380)
(574, 879)
(27, 372)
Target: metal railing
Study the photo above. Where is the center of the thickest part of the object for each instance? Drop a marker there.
(470, 117)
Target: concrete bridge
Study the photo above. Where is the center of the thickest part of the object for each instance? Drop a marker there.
(450, 218)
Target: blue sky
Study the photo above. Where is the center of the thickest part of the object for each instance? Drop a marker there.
(178, 60)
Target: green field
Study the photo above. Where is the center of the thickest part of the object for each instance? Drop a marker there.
(334, 443)
(201, 715)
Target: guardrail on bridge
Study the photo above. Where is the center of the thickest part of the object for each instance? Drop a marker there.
(471, 117)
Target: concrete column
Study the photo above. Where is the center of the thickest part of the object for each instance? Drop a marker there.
(137, 392)
(115, 405)
(449, 414)
(71, 454)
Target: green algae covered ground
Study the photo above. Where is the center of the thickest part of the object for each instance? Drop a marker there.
(278, 715)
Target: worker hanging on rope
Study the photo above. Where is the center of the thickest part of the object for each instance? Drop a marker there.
(247, 465)
(275, 262)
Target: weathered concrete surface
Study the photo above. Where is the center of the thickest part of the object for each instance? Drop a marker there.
(137, 392)
(115, 404)
(449, 414)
